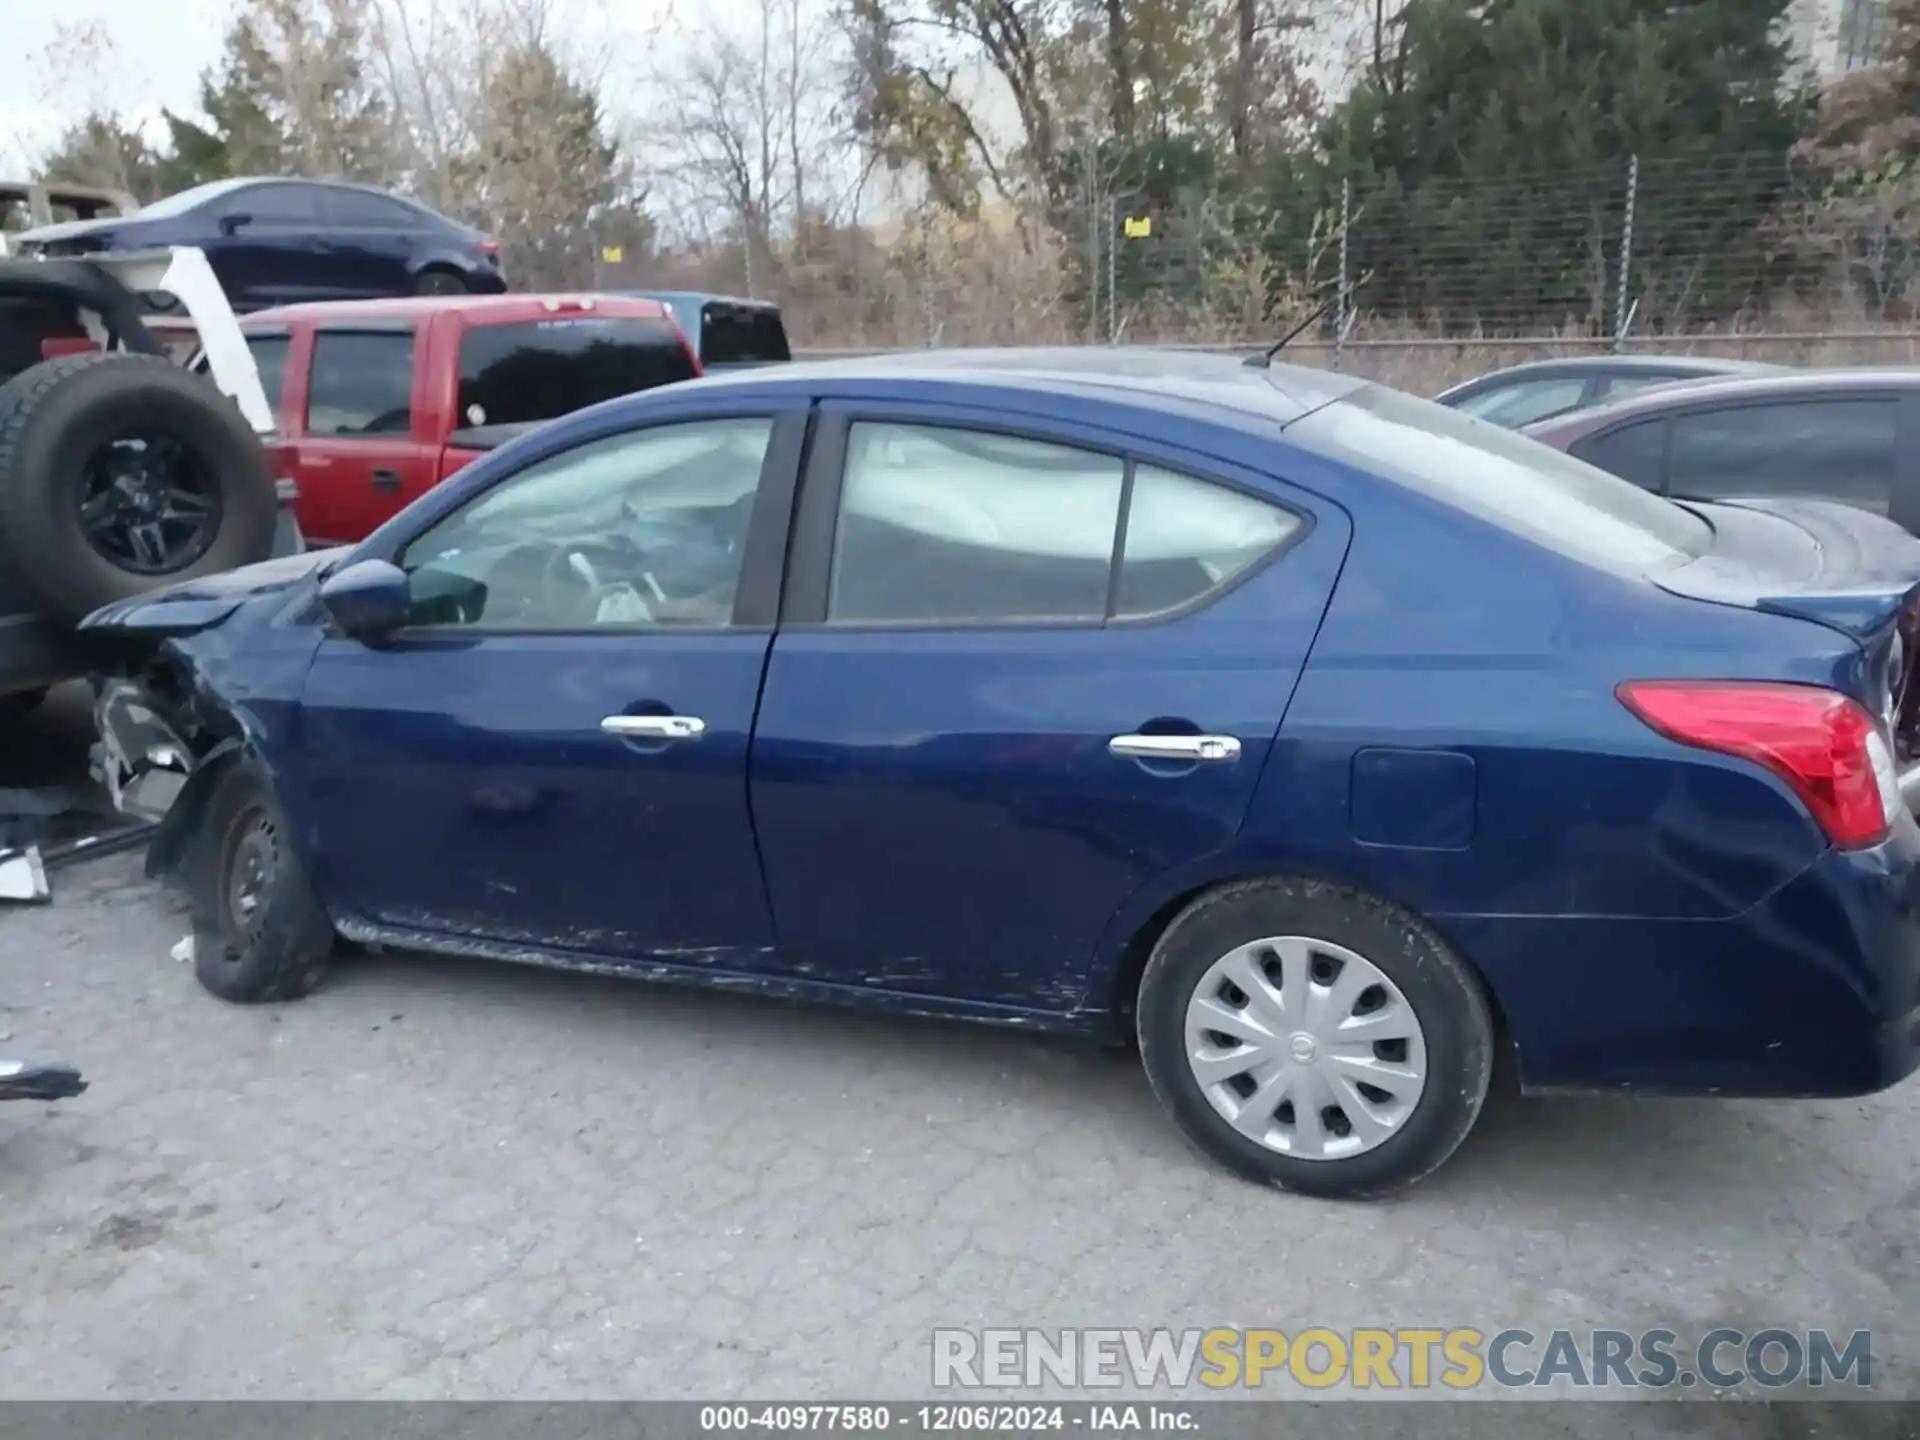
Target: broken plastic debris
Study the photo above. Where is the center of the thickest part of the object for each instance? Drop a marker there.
(183, 951)
(23, 876)
(38, 1082)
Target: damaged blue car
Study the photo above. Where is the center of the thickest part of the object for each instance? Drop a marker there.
(1322, 740)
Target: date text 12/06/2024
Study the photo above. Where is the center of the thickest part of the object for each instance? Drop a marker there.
(949, 1419)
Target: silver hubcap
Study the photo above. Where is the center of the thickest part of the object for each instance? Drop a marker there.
(1306, 1047)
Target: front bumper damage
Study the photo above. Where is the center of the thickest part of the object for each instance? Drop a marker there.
(140, 760)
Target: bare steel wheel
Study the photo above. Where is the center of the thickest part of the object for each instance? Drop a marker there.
(1314, 1037)
(1306, 1047)
(259, 930)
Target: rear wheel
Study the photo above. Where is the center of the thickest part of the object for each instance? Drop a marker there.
(260, 933)
(1314, 1038)
(439, 282)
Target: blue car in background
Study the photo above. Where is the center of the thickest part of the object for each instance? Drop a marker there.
(726, 332)
(1322, 739)
(275, 242)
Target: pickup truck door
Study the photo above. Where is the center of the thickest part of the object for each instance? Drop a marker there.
(532, 768)
(363, 444)
(979, 737)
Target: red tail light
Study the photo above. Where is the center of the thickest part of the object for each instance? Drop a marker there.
(1826, 747)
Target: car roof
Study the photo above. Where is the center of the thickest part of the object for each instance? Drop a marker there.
(700, 297)
(1621, 365)
(1784, 385)
(482, 309)
(1223, 385)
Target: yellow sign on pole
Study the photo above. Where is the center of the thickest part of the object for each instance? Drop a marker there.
(1139, 227)
(612, 254)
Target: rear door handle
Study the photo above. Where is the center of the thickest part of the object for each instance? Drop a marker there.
(655, 727)
(1175, 747)
(386, 479)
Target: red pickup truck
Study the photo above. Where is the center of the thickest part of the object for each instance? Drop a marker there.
(378, 401)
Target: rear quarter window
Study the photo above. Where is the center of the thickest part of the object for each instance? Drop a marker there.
(1523, 486)
(538, 370)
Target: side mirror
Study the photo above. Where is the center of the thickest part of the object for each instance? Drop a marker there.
(368, 599)
(230, 224)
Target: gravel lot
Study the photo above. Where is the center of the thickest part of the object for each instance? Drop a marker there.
(436, 1178)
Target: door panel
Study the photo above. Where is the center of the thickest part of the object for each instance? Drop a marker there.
(362, 454)
(940, 808)
(468, 788)
(555, 754)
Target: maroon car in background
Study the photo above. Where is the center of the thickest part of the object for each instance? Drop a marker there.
(1847, 435)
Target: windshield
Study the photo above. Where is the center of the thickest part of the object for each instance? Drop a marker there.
(187, 200)
(1517, 483)
(542, 369)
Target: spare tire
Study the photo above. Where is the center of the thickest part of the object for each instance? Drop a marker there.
(119, 473)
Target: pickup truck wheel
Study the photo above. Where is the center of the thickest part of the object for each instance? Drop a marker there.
(439, 281)
(1314, 1038)
(260, 933)
(121, 472)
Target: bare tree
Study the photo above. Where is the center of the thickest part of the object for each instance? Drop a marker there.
(754, 140)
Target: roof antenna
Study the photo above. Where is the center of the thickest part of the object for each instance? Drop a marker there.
(1265, 359)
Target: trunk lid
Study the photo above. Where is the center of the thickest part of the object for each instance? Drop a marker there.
(1834, 565)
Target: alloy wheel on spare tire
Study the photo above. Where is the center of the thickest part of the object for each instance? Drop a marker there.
(1315, 1038)
(119, 473)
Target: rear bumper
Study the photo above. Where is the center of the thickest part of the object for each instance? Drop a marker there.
(1815, 991)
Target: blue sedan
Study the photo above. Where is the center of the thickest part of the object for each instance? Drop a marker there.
(1322, 739)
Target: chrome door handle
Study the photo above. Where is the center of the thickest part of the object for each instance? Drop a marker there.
(654, 727)
(1175, 747)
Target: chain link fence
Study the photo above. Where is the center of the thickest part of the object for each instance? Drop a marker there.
(1745, 254)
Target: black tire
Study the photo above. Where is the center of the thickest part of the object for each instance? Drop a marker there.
(439, 281)
(56, 421)
(276, 949)
(1445, 996)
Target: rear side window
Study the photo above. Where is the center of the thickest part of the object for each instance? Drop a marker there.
(742, 335)
(1833, 449)
(361, 383)
(270, 359)
(954, 526)
(542, 369)
(1636, 452)
(1516, 483)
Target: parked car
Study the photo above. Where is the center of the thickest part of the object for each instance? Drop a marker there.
(119, 471)
(726, 332)
(274, 242)
(1523, 394)
(380, 401)
(1093, 691)
(1846, 435)
(28, 204)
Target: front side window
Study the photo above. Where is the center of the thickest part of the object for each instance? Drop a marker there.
(1832, 449)
(543, 369)
(1506, 479)
(361, 383)
(274, 206)
(641, 530)
(1525, 402)
(941, 526)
